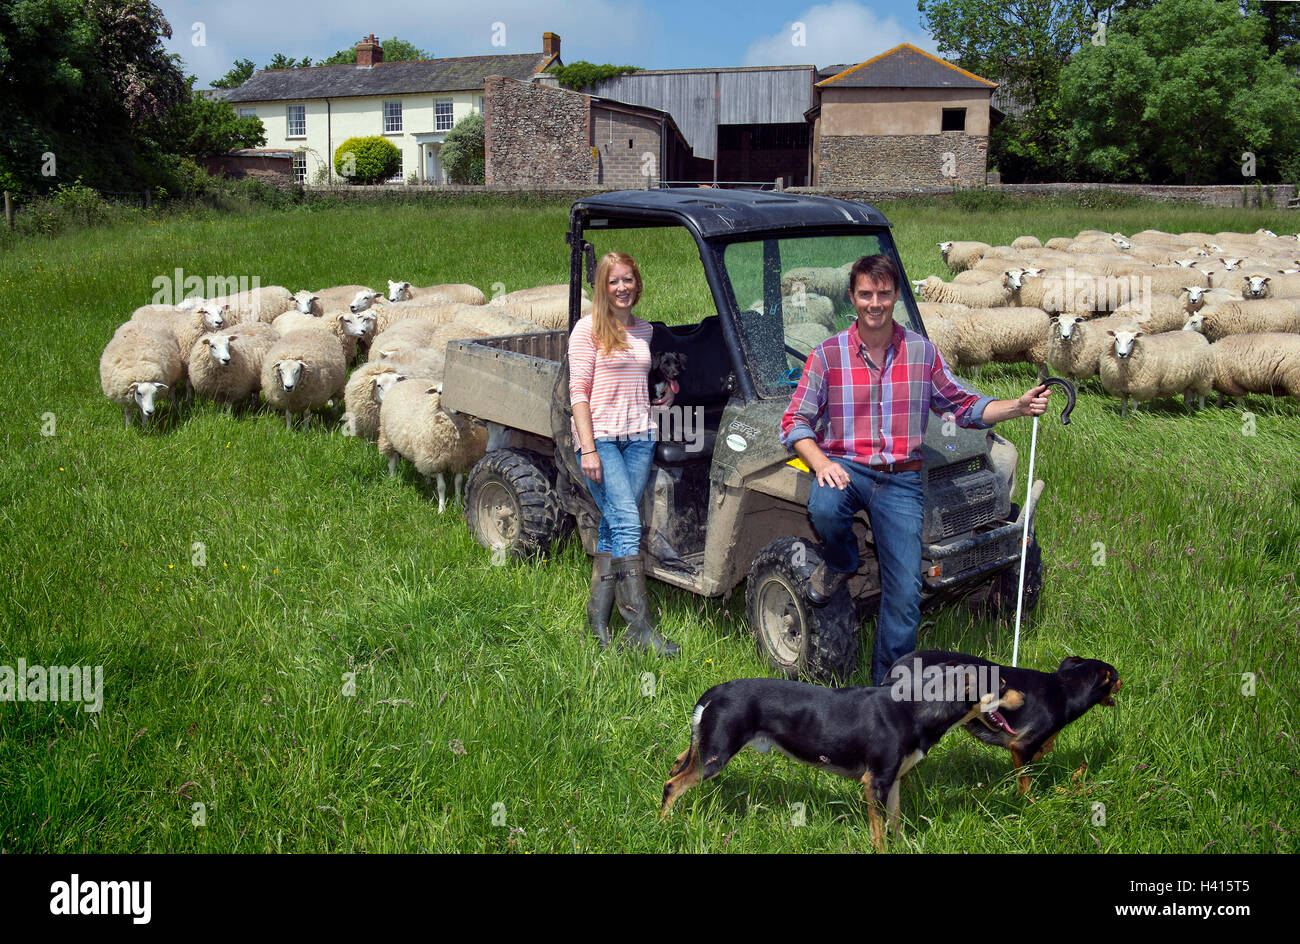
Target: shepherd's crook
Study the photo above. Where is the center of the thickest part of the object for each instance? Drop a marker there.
(1068, 387)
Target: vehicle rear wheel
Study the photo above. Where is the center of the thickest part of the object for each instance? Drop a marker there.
(511, 502)
(818, 643)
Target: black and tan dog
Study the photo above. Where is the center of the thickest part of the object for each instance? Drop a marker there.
(666, 369)
(1052, 700)
(865, 734)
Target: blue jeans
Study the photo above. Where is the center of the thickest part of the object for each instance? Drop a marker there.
(893, 502)
(625, 465)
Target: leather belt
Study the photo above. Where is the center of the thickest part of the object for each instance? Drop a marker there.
(911, 465)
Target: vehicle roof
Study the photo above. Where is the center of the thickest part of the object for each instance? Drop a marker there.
(724, 212)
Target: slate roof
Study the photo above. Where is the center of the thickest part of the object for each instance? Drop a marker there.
(386, 78)
(905, 66)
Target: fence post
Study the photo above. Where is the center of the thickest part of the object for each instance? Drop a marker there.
(146, 200)
(9, 211)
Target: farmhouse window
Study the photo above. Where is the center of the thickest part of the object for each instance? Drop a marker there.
(398, 177)
(954, 119)
(300, 168)
(392, 117)
(297, 121)
(442, 115)
(248, 113)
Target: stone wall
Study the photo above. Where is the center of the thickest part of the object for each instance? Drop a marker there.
(1274, 196)
(902, 161)
(535, 135)
(628, 146)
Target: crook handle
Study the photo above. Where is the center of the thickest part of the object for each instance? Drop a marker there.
(1068, 389)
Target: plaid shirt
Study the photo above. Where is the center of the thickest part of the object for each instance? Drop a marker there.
(875, 415)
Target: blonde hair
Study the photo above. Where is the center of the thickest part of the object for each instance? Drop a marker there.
(606, 330)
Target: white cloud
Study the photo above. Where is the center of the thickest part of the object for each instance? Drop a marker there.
(257, 29)
(832, 33)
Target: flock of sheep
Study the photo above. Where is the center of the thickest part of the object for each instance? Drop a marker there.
(295, 350)
(1152, 315)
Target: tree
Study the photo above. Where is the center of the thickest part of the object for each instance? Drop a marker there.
(1182, 90)
(78, 78)
(395, 50)
(581, 74)
(462, 151)
(240, 73)
(1022, 45)
(201, 126)
(281, 61)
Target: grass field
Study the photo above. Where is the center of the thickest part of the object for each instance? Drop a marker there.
(301, 644)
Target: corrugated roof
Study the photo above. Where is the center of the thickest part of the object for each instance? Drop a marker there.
(387, 78)
(905, 66)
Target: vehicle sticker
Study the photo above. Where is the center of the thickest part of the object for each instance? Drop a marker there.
(737, 442)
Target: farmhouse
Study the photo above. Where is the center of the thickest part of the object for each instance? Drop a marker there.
(311, 111)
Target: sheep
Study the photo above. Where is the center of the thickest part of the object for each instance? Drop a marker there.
(415, 332)
(1195, 298)
(339, 297)
(975, 276)
(353, 331)
(1265, 286)
(1156, 314)
(816, 309)
(309, 303)
(800, 338)
(818, 280)
(1059, 243)
(1267, 362)
(550, 312)
(364, 395)
(258, 304)
(1170, 280)
(987, 295)
(427, 308)
(1246, 317)
(1008, 335)
(1145, 367)
(962, 255)
(227, 366)
(139, 362)
(942, 332)
(1074, 345)
(302, 372)
(1026, 242)
(494, 321)
(452, 292)
(427, 362)
(186, 325)
(413, 425)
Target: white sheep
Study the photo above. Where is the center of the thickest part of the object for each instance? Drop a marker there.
(1059, 243)
(987, 295)
(942, 332)
(549, 311)
(452, 292)
(1246, 317)
(302, 372)
(415, 332)
(818, 280)
(308, 303)
(139, 362)
(1156, 314)
(413, 425)
(1267, 362)
(1026, 242)
(1170, 280)
(958, 255)
(1195, 298)
(1145, 367)
(258, 304)
(364, 395)
(1005, 335)
(1265, 286)
(339, 297)
(494, 321)
(427, 308)
(817, 309)
(226, 366)
(1074, 345)
(186, 325)
(976, 276)
(354, 331)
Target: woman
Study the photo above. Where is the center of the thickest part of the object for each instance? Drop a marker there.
(609, 363)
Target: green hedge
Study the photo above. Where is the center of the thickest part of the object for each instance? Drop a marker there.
(367, 160)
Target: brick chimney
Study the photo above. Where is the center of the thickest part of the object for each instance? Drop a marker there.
(550, 46)
(369, 52)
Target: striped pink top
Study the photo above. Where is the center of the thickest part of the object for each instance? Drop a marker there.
(614, 384)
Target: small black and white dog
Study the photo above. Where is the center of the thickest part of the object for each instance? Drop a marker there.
(665, 369)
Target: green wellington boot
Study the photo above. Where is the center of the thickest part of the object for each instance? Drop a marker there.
(630, 593)
(601, 601)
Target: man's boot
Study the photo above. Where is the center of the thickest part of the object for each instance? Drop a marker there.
(635, 608)
(823, 583)
(601, 601)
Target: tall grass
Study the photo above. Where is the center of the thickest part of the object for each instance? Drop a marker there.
(301, 644)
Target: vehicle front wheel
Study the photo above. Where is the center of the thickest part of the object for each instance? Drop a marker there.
(1001, 600)
(511, 502)
(818, 643)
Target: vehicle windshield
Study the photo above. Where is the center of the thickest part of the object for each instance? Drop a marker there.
(792, 294)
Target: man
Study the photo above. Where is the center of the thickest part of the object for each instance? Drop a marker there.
(857, 420)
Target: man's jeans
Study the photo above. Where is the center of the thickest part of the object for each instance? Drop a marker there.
(625, 464)
(893, 501)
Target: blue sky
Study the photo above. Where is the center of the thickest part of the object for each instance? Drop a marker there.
(665, 34)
